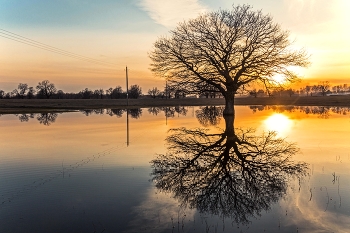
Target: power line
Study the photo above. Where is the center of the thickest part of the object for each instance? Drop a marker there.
(24, 40)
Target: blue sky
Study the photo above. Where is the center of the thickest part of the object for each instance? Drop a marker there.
(122, 32)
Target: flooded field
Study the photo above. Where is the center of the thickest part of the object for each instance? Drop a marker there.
(176, 169)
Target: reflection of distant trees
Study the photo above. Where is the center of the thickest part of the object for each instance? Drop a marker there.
(135, 113)
(43, 118)
(46, 118)
(181, 110)
(209, 115)
(169, 111)
(341, 110)
(322, 111)
(115, 112)
(99, 111)
(234, 173)
(25, 117)
(154, 110)
(256, 108)
(88, 112)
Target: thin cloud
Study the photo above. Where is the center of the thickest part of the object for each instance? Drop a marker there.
(158, 212)
(311, 11)
(169, 12)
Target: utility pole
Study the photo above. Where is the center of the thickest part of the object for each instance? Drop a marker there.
(127, 104)
(127, 88)
(127, 127)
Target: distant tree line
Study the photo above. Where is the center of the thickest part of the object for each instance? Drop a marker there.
(47, 90)
(172, 90)
(321, 89)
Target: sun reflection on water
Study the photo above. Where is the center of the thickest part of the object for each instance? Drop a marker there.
(279, 123)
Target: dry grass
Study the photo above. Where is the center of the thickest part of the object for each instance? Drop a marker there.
(59, 105)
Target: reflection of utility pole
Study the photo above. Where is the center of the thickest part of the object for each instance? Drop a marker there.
(127, 88)
(127, 127)
(166, 89)
(166, 115)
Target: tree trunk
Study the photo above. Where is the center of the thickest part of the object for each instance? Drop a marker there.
(229, 123)
(229, 104)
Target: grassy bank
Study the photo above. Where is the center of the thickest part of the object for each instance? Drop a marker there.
(49, 105)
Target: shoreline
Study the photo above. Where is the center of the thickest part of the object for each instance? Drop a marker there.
(14, 106)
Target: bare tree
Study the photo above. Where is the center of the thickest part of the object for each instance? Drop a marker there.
(21, 90)
(60, 94)
(290, 92)
(154, 92)
(109, 92)
(86, 93)
(117, 93)
(307, 90)
(315, 89)
(227, 50)
(98, 93)
(134, 91)
(46, 89)
(254, 93)
(30, 93)
(324, 87)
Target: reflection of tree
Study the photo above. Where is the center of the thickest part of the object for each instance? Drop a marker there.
(135, 113)
(99, 111)
(154, 110)
(168, 111)
(234, 173)
(209, 115)
(321, 111)
(181, 110)
(256, 108)
(46, 118)
(25, 117)
(341, 110)
(87, 112)
(115, 112)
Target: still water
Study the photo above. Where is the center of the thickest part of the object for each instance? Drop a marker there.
(180, 169)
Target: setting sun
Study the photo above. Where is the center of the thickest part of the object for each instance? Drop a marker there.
(279, 78)
(278, 122)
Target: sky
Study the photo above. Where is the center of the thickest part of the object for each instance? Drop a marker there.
(114, 34)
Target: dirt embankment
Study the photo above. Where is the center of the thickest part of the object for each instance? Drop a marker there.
(59, 105)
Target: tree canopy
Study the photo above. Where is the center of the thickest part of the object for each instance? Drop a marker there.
(226, 49)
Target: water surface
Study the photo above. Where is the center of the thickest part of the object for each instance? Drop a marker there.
(93, 171)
